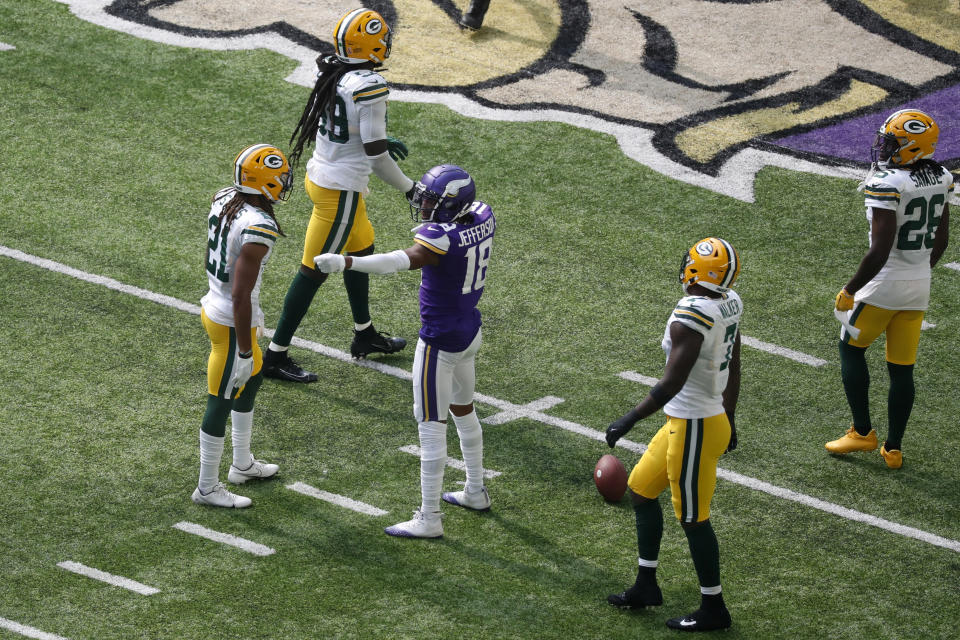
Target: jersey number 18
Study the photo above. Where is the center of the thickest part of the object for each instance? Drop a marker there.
(478, 257)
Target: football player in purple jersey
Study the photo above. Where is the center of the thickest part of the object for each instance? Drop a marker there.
(452, 247)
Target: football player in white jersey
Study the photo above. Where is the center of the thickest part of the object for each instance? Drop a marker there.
(346, 116)
(906, 197)
(698, 393)
(241, 231)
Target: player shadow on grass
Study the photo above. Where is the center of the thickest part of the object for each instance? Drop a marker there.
(568, 573)
(912, 476)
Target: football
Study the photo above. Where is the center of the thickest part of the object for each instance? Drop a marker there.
(610, 476)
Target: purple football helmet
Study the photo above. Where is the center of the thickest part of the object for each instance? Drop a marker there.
(444, 193)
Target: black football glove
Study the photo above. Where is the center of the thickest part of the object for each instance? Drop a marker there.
(619, 428)
(396, 149)
(733, 435)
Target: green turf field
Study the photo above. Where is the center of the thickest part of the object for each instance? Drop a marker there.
(111, 149)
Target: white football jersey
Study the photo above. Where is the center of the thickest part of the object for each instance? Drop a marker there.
(338, 160)
(918, 199)
(718, 319)
(250, 225)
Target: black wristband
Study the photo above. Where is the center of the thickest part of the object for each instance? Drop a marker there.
(659, 396)
(245, 354)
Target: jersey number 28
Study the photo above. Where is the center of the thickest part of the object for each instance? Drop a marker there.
(918, 233)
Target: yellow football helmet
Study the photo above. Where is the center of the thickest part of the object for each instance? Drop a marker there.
(262, 169)
(907, 135)
(712, 263)
(362, 35)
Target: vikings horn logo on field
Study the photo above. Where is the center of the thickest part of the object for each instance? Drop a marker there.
(705, 91)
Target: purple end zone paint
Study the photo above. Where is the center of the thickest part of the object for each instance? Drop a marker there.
(851, 140)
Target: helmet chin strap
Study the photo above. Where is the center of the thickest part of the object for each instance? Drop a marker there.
(688, 285)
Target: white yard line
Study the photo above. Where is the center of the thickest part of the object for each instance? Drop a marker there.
(414, 450)
(109, 578)
(29, 632)
(529, 410)
(953, 265)
(835, 509)
(633, 376)
(333, 498)
(518, 411)
(783, 351)
(6, 47)
(243, 544)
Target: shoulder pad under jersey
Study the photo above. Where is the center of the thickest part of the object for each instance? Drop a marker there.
(365, 86)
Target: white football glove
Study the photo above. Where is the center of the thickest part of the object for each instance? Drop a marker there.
(330, 262)
(242, 368)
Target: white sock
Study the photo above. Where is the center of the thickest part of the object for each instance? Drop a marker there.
(278, 348)
(361, 327)
(471, 446)
(241, 428)
(433, 459)
(211, 449)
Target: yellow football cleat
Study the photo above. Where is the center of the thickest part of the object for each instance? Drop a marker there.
(853, 441)
(894, 458)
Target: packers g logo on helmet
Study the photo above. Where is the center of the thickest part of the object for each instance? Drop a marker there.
(907, 135)
(262, 169)
(712, 263)
(362, 35)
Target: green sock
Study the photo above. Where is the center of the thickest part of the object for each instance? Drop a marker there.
(244, 403)
(649, 518)
(295, 305)
(705, 552)
(899, 402)
(215, 417)
(357, 284)
(856, 384)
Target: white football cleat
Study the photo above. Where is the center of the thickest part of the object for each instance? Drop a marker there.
(421, 526)
(478, 501)
(257, 469)
(220, 497)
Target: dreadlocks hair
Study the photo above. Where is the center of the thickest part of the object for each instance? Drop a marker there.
(233, 207)
(321, 101)
(924, 164)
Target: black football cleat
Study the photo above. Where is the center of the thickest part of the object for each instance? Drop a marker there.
(282, 367)
(637, 597)
(702, 620)
(372, 341)
(473, 18)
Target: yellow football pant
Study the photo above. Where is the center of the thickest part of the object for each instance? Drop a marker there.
(339, 223)
(223, 350)
(901, 326)
(683, 454)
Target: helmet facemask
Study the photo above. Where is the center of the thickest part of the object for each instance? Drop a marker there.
(286, 183)
(423, 204)
(885, 146)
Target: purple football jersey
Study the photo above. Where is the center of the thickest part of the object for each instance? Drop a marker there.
(449, 291)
